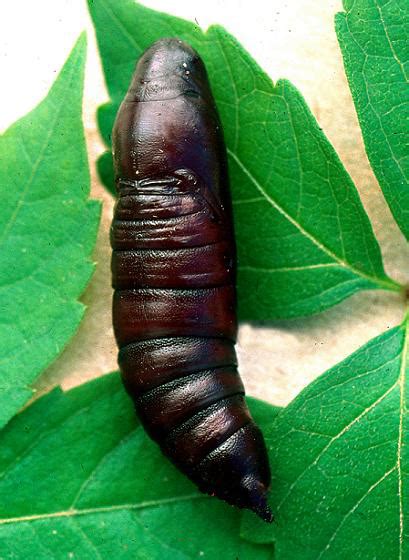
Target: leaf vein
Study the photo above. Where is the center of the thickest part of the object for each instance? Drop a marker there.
(386, 284)
(335, 438)
(102, 509)
(353, 509)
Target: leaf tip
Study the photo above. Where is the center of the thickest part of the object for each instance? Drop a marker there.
(80, 46)
(282, 85)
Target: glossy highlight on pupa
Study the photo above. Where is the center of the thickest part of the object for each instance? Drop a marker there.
(174, 276)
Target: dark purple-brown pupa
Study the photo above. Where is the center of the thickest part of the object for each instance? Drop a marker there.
(173, 270)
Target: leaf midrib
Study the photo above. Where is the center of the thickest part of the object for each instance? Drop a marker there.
(387, 284)
(397, 467)
(394, 54)
(402, 380)
(332, 439)
(353, 509)
(102, 509)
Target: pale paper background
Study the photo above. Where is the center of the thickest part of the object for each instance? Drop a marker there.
(294, 40)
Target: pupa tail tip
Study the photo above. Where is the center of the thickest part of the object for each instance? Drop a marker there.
(265, 513)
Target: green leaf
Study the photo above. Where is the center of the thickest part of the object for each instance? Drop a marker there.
(101, 487)
(304, 239)
(264, 414)
(373, 35)
(47, 232)
(106, 171)
(340, 460)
